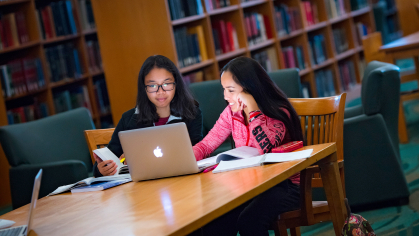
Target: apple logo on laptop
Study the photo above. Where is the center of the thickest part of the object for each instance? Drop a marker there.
(157, 152)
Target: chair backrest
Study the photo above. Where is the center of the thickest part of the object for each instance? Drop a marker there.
(54, 138)
(380, 93)
(97, 138)
(372, 43)
(322, 119)
(288, 80)
(210, 97)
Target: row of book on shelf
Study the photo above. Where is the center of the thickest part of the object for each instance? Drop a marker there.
(340, 39)
(317, 49)
(13, 30)
(21, 76)
(287, 19)
(225, 37)
(94, 56)
(335, 8)
(63, 62)
(258, 28)
(294, 57)
(86, 15)
(216, 4)
(183, 8)
(190, 45)
(27, 113)
(325, 84)
(63, 101)
(57, 19)
(347, 75)
(267, 59)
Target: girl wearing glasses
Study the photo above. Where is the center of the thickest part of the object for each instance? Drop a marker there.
(258, 115)
(163, 98)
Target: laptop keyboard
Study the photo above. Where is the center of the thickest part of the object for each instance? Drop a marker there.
(15, 231)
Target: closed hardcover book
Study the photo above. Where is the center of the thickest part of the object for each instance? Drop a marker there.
(100, 186)
(288, 147)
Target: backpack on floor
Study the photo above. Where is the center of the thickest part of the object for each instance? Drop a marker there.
(356, 225)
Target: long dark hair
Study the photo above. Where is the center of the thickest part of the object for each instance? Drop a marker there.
(249, 74)
(183, 104)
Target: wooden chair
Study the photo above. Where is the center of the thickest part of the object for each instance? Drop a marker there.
(372, 44)
(97, 138)
(321, 122)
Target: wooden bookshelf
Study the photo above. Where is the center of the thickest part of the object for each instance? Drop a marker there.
(127, 38)
(35, 48)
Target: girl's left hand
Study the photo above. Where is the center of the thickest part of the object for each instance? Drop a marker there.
(247, 100)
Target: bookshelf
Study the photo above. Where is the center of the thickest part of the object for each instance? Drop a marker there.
(30, 84)
(147, 28)
(388, 20)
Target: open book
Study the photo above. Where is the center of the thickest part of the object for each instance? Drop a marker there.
(240, 152)
(100, 186)
(260, 160)
(89, 181)
(106, 154)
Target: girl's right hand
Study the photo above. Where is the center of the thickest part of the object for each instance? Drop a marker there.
(105, 167)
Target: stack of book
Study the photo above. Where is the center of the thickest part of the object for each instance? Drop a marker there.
(57, 19)
(27, 113)
(93, 53)
(102, 98)
(190, 45)
(358, 4)
(324, 83)
(63, 62)
(341, 42)
(183, 8)
(193, 77)
(335, 8)
(258, 28)
(21, 76)
(215, 4)
(13, 30)
(225, 37)
(287, 19)
(294, 58)
(267, 59)
(310, 13)
(317, 50)
(86, 15)
(347, 75)
(70, 99)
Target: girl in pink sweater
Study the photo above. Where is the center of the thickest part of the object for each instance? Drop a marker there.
(258, 115)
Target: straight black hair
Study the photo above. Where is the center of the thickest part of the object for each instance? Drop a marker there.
(183, 104)
(271, 100)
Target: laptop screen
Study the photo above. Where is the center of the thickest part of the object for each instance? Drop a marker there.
(35, 193)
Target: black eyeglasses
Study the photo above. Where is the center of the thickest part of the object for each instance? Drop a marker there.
(155, 87)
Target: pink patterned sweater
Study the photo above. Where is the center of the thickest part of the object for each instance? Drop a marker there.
(263, 133)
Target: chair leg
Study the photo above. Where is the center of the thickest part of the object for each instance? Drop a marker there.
(403, 137)
(280, 228)
(295, 231)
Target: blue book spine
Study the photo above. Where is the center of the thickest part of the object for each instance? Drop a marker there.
(70, 17)
(77, 62)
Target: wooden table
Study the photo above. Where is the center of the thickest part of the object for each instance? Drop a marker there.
(174, 206)
(402, 48)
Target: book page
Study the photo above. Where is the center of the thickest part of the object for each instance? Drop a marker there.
(106, 154)
(207, 162)
(289, 156)
(238, 164)
(242, 152)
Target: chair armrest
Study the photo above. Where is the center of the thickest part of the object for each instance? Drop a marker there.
(353, 111)
(373, 171)
(55, 174)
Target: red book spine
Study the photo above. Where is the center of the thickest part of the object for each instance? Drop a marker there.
(2, 35)
(47, 25)
(8, 31)
(290, 55)
(288, 147)
(224, 36)
(255, 32)
(248, 29)
(21, 27)
(268, 28)
(230, 30)
(284, 58)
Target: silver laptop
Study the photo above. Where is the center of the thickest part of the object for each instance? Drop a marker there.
(158, 152)
(24, 229)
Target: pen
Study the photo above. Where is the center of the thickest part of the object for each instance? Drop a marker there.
(122, 160)
(210, 168)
